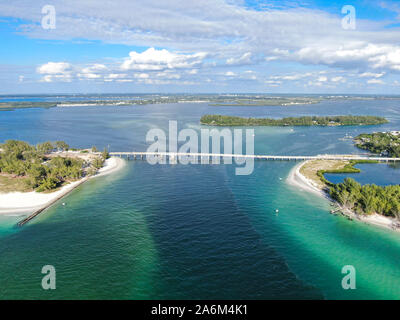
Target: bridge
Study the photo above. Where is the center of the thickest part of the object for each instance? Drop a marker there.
(174, 155)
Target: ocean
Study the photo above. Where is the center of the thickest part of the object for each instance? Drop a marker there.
(197, 231)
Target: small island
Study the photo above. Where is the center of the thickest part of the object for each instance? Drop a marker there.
(266, 101)
(384, 143)
(368, 203)
(44, 167)
(348, 120)
(34, 177)
(10, 106)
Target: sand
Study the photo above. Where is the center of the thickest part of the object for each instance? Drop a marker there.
(295, 178)
(27, 202)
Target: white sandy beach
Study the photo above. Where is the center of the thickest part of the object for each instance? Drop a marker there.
(111, 165)
(295, 178)
(26, 202)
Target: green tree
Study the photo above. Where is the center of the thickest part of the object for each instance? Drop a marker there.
(45, 147)
(105, 154)
(62, 145)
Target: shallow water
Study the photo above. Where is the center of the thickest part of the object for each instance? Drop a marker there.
(380, 174)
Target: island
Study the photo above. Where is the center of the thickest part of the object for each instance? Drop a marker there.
(218, 100)
(266, 101)
(10, 106)
(346, 120)
(132, 100)
(34, 177)
(368, 203)
(384, 143)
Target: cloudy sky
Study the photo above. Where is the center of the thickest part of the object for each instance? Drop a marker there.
(130, 46)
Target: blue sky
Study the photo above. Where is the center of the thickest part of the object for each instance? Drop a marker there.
(208, 46)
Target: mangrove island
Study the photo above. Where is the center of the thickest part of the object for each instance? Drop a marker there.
(220, 120)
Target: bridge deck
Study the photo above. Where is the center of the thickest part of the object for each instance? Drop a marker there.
(261, 157)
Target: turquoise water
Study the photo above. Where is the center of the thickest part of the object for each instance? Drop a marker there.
(194, 231)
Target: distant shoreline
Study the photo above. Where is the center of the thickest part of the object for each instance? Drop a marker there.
(295, 178)
(22, 203)
(303, 121)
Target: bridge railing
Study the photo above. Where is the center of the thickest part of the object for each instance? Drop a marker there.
(252, 156)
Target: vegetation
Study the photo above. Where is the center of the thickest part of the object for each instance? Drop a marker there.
(8, 106)
(347, 168)
(105, 154)
(219, 120)
(12, 184)
(384, 143)
(61, 146)
(25, 167)
(267, 101)
(212, 99)
(368, 199)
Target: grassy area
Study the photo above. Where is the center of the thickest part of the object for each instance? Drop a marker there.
(315, 169)
(12, 184)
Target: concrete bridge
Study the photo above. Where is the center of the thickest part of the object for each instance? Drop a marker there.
(174, 155)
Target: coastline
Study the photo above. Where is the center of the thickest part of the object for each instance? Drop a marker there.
(296, 179)
(22, 203)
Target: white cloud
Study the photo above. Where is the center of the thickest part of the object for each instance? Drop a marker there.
(338, 79)
(375, 81)
(52, 71)
(141, 75)
(95, 71)
(153, 60)
(372, 75)
(113, 76)
(54, 68)
(243, 60)
(292, 77)
(232, 34)
(230, 74)
(230, 30)
(273, 83)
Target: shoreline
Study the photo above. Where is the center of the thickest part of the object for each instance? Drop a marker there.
(23, 203)
(296, 179)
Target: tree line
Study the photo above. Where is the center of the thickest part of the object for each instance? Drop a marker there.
(348, 120)
(384, 143)
(20, 159)
(367, 199)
